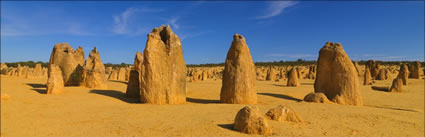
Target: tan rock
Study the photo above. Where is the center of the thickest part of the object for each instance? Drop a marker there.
(373, 68)
(293, 78)
(381, 75)
(38, 72)
(94, 72)
(249, 120)
(163, 79)
(108, 70)
(397, 85)
(316, 98)
(271, 74)
(416, 71)
(283, 113)
(121, 74)
(113, 75)
(337, 77)
(3, 69)
(367, 77)
(127, 74)
(55, 82)
(403, 73)
(133, 86)
(69, 61)
(282, 74)
(204, 75)
(357, 66)
(311, 72)
(239, 77)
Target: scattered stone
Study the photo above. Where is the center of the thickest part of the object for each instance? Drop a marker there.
(283, 113)
(249, 120)
(316, 98)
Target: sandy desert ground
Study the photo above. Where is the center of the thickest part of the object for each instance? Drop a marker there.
(85, 112)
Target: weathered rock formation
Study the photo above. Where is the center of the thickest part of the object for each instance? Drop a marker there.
(403, 74)
(293, 78)
(38, 72)
(133, 86)
(416, 71)
(163, 77)
(271, 74)
(121, 74)
(238, 84)
(69, 61)
(397, 86)
(367, 77)
(94, 72)
(336, 76)
(55, 83)
(113, 75)
(373, 67)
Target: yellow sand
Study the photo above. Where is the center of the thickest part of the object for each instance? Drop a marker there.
(84, 112)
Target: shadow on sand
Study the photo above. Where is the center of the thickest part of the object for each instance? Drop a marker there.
(116, 94)
(201, 101)
(119, 81)
(281, 96)
(33, 85)
(226, 126)
(40, 88)
(380, 88)
(41, 91)
(393, 108)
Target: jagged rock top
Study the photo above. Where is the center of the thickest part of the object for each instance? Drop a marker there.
(164, 33)
(333, 46)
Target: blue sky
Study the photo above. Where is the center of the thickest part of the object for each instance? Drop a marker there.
(275, 30)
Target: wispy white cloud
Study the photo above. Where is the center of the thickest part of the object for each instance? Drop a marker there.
(122, 21)
(275, 8)
(77, 29)
(173, 22)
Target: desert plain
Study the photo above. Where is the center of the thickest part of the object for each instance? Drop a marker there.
(79, 111)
